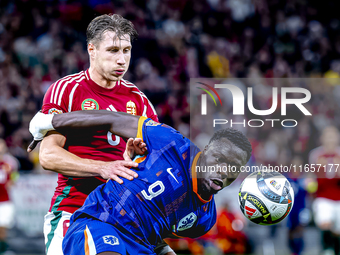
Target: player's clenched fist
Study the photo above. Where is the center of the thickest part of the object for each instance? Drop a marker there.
(111, 170)
(39, 126)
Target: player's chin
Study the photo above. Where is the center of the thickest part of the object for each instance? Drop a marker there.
(116, 77)
(209, 190)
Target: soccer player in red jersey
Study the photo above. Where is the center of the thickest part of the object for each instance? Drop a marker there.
(326, 205)
(8, 165)
(83, 164)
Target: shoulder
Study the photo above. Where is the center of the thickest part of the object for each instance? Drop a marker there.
(71, 78)
(134, 89)
(59, 93)
(58, 88)
(128, 84)
(158, 135)
(129, 87)
(315, 153)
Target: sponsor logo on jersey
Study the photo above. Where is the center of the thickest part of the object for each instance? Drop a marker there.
(112, 240)
(187, 222)
(89, 104)
(169, 171)
(274, 184)
(152, 123)
(131, 108)
(54, 111)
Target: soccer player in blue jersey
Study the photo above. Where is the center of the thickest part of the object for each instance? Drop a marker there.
(172, 196)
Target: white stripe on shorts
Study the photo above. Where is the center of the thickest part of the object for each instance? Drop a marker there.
(57, 234)
(90, 242)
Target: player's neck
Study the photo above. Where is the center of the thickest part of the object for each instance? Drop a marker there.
(100, 80)
(200, 192)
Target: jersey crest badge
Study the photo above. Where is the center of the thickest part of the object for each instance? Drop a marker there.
(89, 104)
(112, 240)
(54, 111)
(131, 108)
(187, 222)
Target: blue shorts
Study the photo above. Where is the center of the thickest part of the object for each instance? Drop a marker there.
(90, 237)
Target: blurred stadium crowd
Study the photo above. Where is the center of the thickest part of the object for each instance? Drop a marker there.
(42, 41)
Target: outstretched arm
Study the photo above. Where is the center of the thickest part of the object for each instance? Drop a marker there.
(54, 157)
(118, 123)
(121, 124)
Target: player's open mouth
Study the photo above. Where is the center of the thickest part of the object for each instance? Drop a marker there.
(216, 184)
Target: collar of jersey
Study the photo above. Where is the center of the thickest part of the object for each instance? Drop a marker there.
(194, 179)
(101, 89)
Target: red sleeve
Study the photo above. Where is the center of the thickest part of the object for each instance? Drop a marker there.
(149, 111)
(55, 99)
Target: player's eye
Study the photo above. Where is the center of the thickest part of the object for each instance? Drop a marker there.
(219, 160)
(126, 50)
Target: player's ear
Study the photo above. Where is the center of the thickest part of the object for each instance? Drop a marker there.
(91, 49)
(206, 148)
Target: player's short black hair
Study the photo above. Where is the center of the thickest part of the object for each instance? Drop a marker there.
(234, 136)
(109, 22)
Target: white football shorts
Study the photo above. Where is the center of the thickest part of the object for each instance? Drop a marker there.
(55, 227)
(6, 214)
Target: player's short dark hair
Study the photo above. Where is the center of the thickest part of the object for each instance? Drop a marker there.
(109, 22)
(234, 136)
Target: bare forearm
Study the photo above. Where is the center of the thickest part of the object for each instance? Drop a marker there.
(61, 161)
(55, 158)
(118, 123)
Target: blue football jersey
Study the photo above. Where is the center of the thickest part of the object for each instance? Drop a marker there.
(163, 200)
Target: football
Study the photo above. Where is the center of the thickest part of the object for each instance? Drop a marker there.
(266, 197)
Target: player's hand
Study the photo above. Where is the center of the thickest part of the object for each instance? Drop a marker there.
(39, 126)
(134, 147)
(119, 168)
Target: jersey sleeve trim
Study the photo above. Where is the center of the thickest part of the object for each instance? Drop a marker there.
(90, 248)
(141, 94)
(140, 127)
(177, 235)
(65, 85)
(144, 111)
(194, 179)
(71, 97)
(60, 86)
(151, 105)
(87, 77)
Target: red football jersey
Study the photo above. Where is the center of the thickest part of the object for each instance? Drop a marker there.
(4, 179)
(328, 178)
(79, 92)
